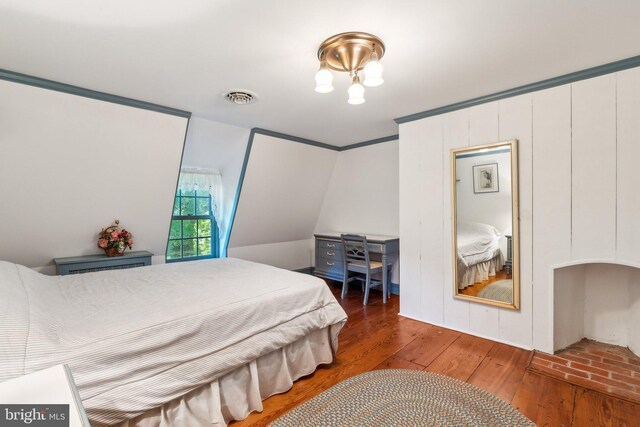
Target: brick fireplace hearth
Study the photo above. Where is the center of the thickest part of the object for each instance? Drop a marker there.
(606, 368)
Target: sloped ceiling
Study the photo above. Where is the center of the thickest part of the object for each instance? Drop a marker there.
(185, 54)
(282, 192)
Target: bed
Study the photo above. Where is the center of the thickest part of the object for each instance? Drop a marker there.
(191, 343)
(479, 253)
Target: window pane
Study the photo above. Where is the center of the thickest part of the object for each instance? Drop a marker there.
(189, 228)
(202, 206)
(176, 206)
(204, 246)
(189, 248)
(175, 232)
(188, 206)
(188, 193)
(174, 251)
(202, 193)
(204, 227)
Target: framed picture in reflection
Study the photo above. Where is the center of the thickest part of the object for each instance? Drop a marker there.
(485, 178)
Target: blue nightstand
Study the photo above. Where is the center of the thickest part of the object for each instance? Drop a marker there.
(89, 263)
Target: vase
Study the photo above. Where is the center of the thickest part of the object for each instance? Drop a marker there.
(113, 251)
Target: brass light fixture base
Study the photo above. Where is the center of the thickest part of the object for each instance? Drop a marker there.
(350, 51)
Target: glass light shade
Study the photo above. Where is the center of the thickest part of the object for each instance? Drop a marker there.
(356, 92)
(373, 72)
(324, 79)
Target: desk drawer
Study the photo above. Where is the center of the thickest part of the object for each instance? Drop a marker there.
(375, 247)
(330, 254)
(329, 244)
(329, 265)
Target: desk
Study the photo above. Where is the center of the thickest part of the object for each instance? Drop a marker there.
(330, 258)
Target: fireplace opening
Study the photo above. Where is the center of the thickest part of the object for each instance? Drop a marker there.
(597, 301)
(596, 337)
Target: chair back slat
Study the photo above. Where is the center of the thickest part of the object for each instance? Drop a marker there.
(355, 248)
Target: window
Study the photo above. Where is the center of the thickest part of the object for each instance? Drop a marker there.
(194, 231)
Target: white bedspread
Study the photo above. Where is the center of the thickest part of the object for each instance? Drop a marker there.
(478, 245)
(135, 339)
(477, 239)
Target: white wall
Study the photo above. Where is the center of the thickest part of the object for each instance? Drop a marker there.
(362, 196)
(70, 165)
(218, 146)
(282, 194)
(579, 198)
(487, 208)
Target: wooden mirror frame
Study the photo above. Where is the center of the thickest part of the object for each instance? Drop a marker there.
(515, 224)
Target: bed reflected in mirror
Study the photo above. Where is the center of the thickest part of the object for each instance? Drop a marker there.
(485, 224)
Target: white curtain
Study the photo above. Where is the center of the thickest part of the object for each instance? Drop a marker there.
(204, 180)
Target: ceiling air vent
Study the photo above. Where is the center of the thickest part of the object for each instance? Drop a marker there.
(240, 97)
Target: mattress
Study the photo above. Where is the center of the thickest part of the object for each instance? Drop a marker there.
(135, 339)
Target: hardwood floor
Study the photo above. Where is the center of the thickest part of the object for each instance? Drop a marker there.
(475, 289)
(375, 337)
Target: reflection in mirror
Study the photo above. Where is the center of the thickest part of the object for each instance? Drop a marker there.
(485, 234)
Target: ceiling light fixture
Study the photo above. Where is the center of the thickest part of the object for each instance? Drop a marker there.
(350, 53)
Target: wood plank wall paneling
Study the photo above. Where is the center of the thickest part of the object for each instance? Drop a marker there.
(515, 117)
(484, 128)
(456, 135)
(578, 197)
(551, 199)
(431, 238)
(593, 184)
(628, 177)
(409, 158)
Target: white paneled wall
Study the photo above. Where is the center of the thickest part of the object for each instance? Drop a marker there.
(628, 177)
(552, 199)
(579, 200)
(456, 135)
(593, 159)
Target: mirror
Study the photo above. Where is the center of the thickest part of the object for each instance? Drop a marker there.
(485, 224)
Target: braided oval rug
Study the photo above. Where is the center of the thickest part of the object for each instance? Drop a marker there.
(402, 397)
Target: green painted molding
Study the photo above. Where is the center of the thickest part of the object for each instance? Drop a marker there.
(322, 144)
(175, 190)
(589, 73)
(274, 134)
(245, 164)
(25, 79)
(371, 142)
(236, 200)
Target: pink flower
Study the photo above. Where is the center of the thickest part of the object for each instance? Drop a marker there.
(102, 243)
(130, 243)
(114, 234)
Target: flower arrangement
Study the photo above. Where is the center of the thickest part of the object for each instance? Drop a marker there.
(114, 239)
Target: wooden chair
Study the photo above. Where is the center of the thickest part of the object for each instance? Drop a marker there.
(356, 259)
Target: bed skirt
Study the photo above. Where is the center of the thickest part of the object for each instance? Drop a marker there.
(236, 394)
(482, 271)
